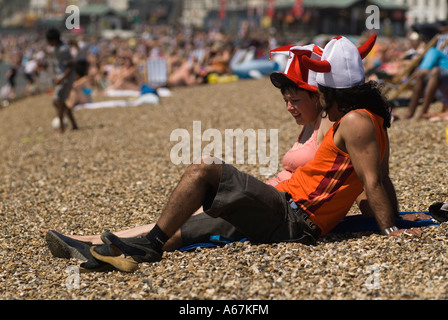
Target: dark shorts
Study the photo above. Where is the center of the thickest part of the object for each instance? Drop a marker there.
(247, 207)
(62, 91)
(29, 77)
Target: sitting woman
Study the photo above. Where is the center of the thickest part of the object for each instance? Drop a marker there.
(184, 72)
(127, 76)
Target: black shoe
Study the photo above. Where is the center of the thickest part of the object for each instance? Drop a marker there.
(439, 211)
(64, 247)
(139, 248)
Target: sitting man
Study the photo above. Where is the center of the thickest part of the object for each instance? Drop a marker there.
(353, 157)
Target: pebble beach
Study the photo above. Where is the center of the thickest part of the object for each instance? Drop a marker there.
(115, 173)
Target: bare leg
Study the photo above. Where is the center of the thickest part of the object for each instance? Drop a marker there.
(133, 232)
(175, 242)
(189, 195)
(419, 87)
(71, 117)
(430, 93)
(61, 109)
(186, 200)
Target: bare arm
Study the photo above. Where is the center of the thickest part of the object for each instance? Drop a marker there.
(362, 202)
(357, 135)
(364, 206)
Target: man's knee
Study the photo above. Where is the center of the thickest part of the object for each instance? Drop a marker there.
(207, 168)
(207, 159)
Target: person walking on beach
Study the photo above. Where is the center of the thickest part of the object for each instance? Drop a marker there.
(65, 76)
(12, 74)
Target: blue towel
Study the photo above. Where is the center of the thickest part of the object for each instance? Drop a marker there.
(147, 89)
(354, 223)
(360, 223)
(215, 241)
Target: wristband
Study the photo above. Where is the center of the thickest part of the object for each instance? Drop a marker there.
(387, 231)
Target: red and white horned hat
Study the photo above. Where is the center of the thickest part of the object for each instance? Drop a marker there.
(341, 63)
(295, 70)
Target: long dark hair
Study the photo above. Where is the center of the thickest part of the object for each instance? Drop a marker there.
(365, 96)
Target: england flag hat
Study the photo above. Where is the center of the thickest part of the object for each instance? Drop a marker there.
(295, 70)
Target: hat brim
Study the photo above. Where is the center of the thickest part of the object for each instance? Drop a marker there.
(281, 80)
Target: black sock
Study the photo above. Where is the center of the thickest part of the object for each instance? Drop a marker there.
(157, 238)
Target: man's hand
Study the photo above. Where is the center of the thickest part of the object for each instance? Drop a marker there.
(413, 232)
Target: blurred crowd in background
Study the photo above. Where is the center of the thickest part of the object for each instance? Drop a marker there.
(191, 57)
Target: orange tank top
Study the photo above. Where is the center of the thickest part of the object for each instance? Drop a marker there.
(328, 185)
